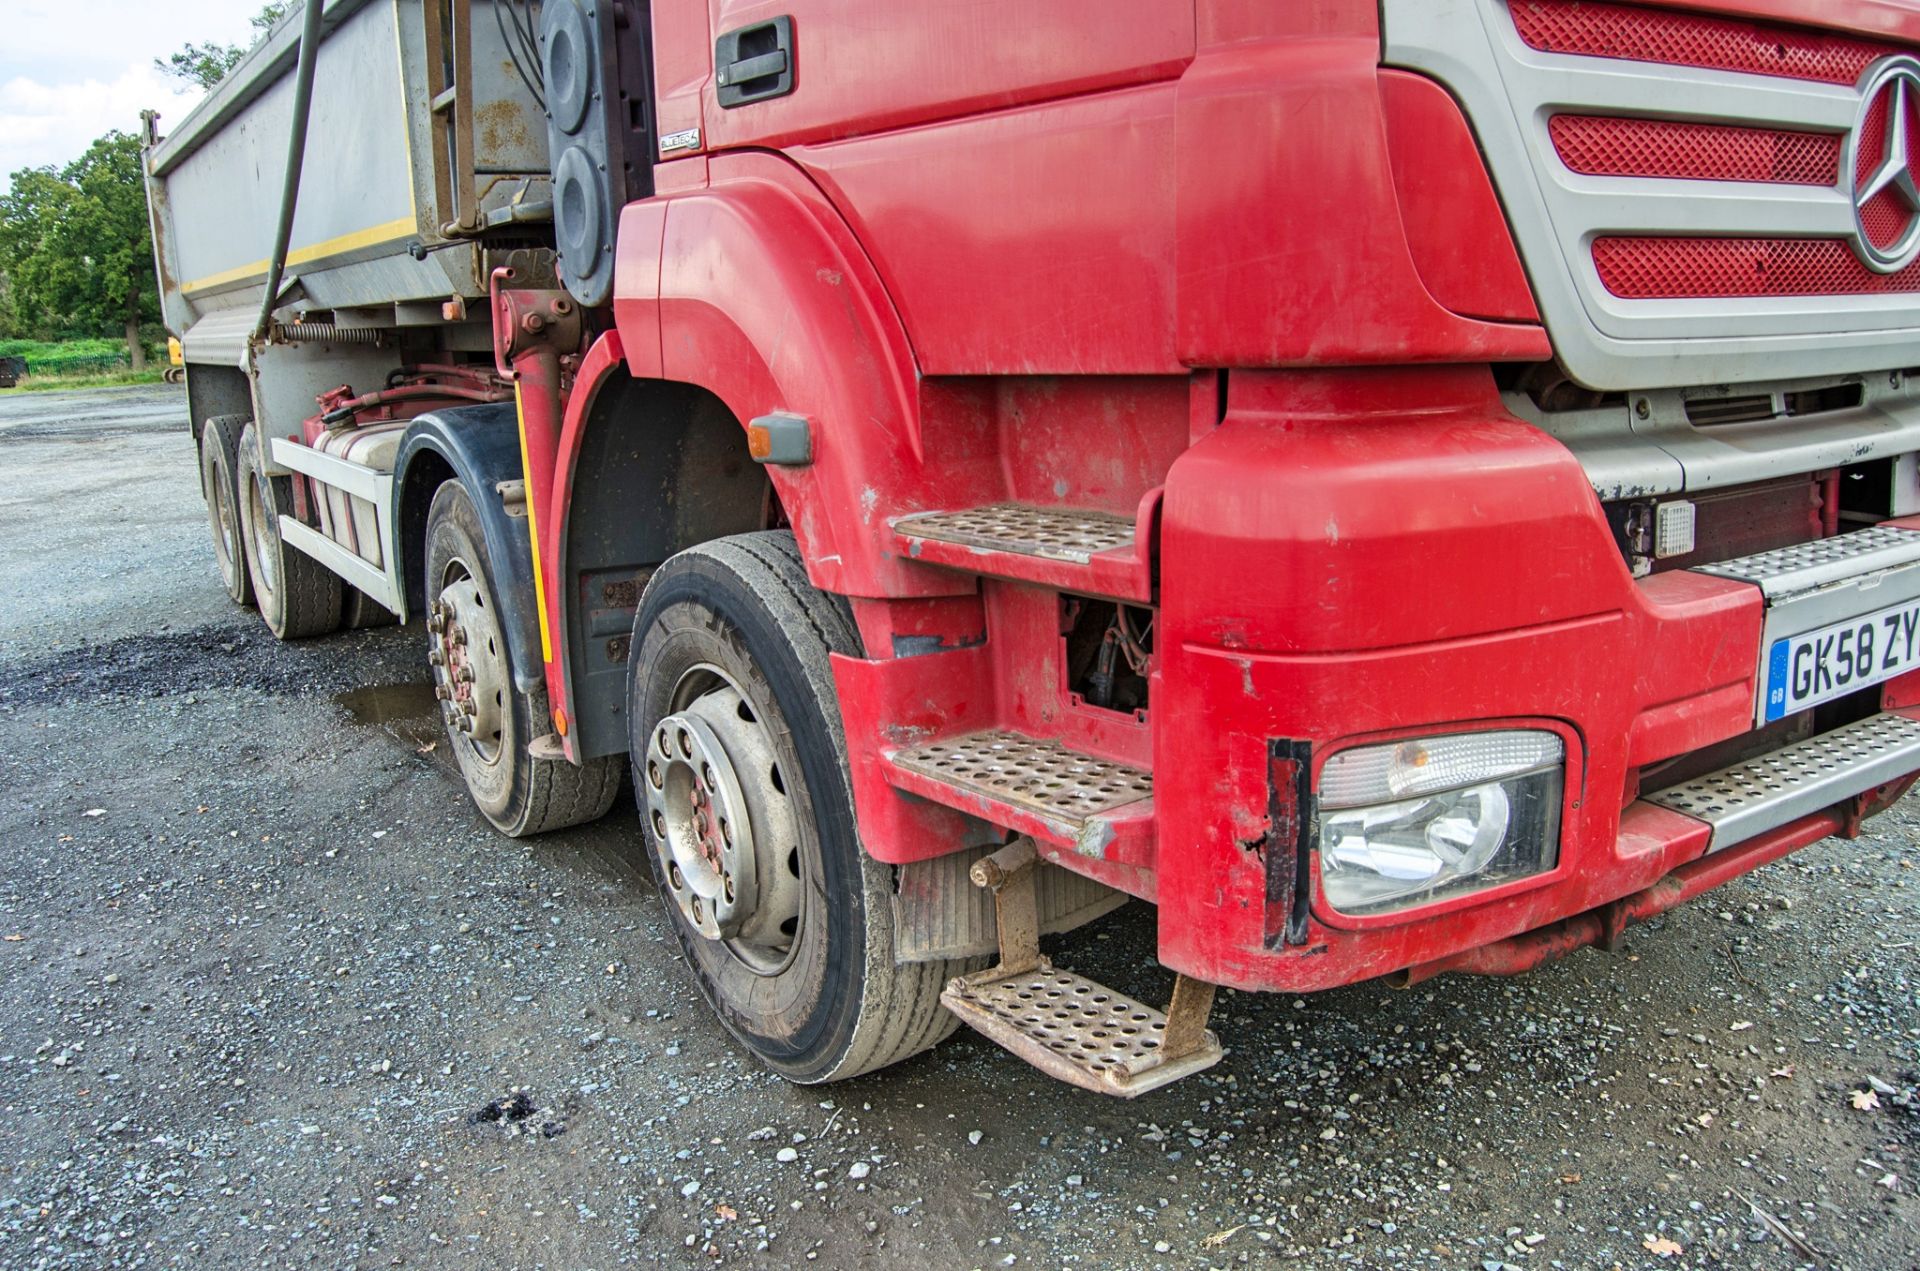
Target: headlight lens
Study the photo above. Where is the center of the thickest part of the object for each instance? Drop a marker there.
(1413, 822)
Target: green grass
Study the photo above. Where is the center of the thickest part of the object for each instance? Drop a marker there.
(103, 379)
(53, 365)
(67, 357)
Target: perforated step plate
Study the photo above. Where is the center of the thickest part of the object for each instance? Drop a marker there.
(1040, 776)
(1062, 534)
(1788, 571)
(1074, 1029)
(1765, 793)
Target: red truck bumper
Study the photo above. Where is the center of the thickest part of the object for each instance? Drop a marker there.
(1367, 556)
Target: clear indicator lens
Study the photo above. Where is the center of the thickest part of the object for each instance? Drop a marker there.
(1432, 765)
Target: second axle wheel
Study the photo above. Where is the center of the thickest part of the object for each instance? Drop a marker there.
(490, 721)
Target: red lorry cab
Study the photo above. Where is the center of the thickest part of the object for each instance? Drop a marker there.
(1400, 487)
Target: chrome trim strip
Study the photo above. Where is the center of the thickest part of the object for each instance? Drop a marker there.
(1628, 453)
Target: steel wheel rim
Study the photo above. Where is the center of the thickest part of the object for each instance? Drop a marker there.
(739, 884)
(470, 669)
(226, 532)
(263, 538)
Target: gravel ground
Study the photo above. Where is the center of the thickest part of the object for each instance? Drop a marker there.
(275, 996)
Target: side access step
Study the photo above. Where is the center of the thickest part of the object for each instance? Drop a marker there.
(1097, 807)
(1064, 1024)
(1093, 553)
(1771, 790)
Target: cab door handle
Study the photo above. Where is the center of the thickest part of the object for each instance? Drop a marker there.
(754, 63)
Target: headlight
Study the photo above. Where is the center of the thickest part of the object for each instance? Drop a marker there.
(1412, 822)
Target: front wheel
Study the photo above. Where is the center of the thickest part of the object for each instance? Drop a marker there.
(490, 722)
(740, 768)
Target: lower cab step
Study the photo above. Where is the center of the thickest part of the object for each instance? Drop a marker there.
(1066, 1025)
(1069, 1027)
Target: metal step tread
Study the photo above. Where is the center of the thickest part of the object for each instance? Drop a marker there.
(1788, 570)
(1040, 776)
(1773, 789)
(1075, 1029)
(1021, 529)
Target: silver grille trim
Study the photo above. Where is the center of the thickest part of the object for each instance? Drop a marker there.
(1510, 91)
(1770, 791)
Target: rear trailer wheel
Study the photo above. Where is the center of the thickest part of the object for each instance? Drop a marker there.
(219, 462)
(740, 770)
(359, 611)
(297, 595)
(490, 722)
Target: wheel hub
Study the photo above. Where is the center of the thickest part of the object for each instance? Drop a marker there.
(469, 666)
(700, 816)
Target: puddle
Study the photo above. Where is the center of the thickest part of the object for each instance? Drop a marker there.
(608, 854)
(381, 705)
(406, 712)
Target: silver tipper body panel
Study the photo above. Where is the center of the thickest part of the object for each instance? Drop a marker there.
(1812, 585)
(1511, 91)
(368, 192)
(1775, 789)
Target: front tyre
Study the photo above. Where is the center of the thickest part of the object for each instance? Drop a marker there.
(490, 722)
(740, 770)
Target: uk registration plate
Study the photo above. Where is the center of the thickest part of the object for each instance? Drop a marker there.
(1817, 666)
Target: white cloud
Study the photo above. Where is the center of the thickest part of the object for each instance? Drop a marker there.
(53, 123)
(69, 72)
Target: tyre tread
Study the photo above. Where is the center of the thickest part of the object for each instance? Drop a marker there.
(310, 593)
(225, 431)
(900, 1013)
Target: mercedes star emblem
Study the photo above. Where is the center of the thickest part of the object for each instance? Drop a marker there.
(1886, 168)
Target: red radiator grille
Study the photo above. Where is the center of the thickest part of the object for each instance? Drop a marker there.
(1706, 152)
(1689, 39)
(1701, 268)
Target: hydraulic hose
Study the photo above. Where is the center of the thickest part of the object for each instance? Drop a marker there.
(296, 156)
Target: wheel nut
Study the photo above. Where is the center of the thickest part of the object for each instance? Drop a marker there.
(436, 657)
(442, 692)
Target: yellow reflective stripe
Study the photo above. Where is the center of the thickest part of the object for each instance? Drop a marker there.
(533, 531)
(372, 236)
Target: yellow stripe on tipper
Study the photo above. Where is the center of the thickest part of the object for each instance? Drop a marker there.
(533, 531)
(372, 236)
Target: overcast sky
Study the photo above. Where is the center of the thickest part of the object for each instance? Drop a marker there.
(72, 69)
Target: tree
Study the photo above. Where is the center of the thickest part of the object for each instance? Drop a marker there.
(78, 247)
(207, 64)
(203, 64)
